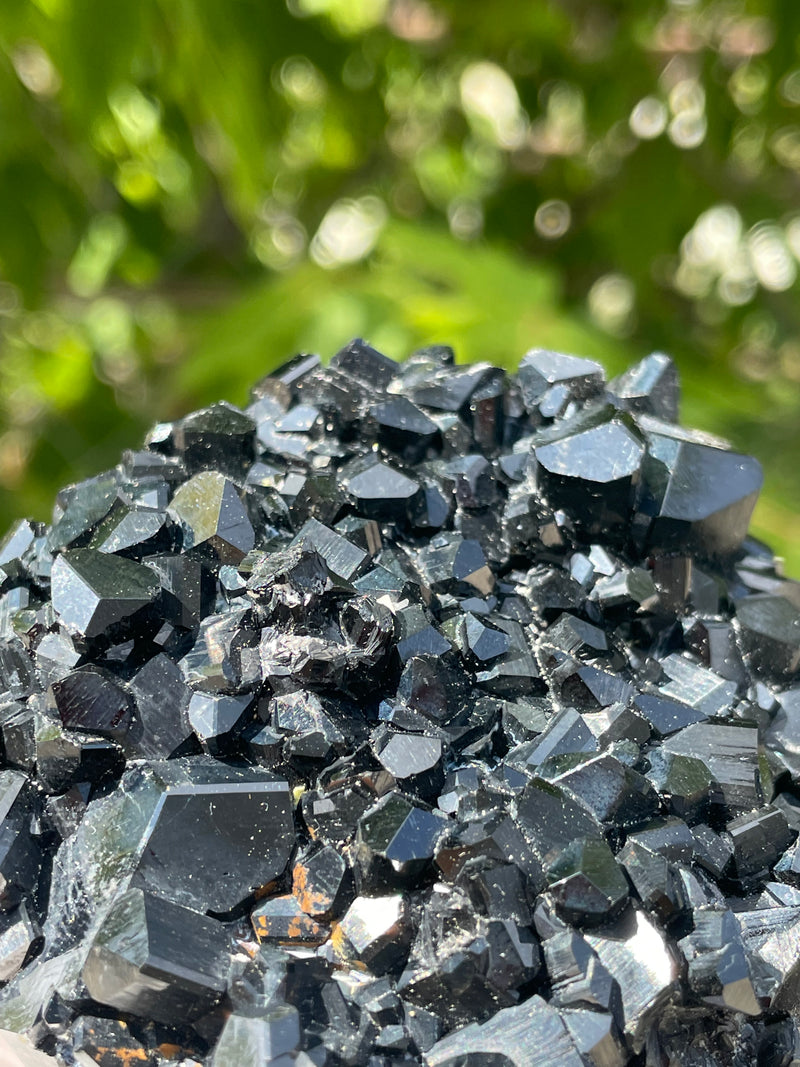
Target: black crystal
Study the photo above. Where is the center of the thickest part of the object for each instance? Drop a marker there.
(586, 883)
(156, 959)
(419, 713)
(216, 834)
(93, 591)
(92, 699)
(212, 518)
(220, 437)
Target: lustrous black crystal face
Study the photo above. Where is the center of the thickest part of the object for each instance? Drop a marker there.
(415, 714)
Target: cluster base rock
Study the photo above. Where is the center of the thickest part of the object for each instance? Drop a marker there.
(415, 714)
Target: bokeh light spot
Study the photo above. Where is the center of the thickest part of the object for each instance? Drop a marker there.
(348, 232)
(649, 118)
(552, 219)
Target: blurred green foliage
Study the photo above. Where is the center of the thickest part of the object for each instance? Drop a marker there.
(194, 189)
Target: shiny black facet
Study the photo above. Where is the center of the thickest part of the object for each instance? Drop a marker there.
(397, 837)
(161, 697)
(650, 386)
(769, 629)
(586, 883)
(550, 819)
(217, 834)
(268, 1038)
(93, 591)
(79, 508)
(758, 838)
(592, 474)
(382, 492)
(718, 970)
(220, 438)
(156, 959)
(187, 588)
(696, 496)
(212, 518)
(616, 795)
(731, 755)
(365, 363)
(93, 700)
(132, 532)
(343, 557)
(540, 370)
(372, 931)
(403, 428)
(20, 854)
(214, 717)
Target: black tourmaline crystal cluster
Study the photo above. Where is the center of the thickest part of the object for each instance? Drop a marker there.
(415, 714)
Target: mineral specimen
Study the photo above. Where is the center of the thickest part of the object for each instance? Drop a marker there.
(416, 713)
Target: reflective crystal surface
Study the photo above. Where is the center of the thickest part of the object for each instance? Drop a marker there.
(216, 834)
(586, 883)
(155, 959)
(650, 386)
(91, 699)
(212, 517)
(93, 591)
(697, 496)
(420, 713)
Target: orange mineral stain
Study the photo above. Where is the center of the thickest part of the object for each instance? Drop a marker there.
(312, 901)
(125, 1057)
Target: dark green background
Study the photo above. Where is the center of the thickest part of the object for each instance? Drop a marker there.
(177, 178)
